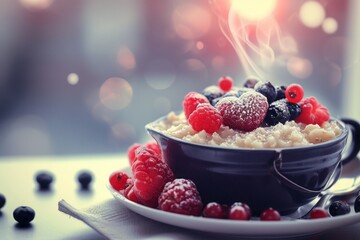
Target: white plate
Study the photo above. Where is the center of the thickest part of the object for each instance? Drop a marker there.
(252, 228)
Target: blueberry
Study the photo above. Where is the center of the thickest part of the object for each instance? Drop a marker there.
(294, 110)
(251, 82)
(212, 92)
(280, 92)
(241, 91)
(357, 204)
(84, 178)
(266, 89)
(24, 214)
(44, 179)
(278, 112)
(232, 93)
(2, 200)
(339, 208)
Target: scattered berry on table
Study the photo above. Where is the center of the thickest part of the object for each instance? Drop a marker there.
(131, 152)
(278, 112)
(266, 89)
(24, 214)
(318, 213)
(339, 208)
(294, 93)
(356, 204)
(280, 92)
(214, 210)
(84, 178)
(44, 179)
(245, 113)
(154, 146)
(191, 100)
(312, 112)
(205, 117)
(238, 212)
(150, 174)
(294, 110)
(251, 82)
(244, 205)
(270, 214)
(212, 92)
(181, 196)
(2, 200)
(118, 180)
(225, 83)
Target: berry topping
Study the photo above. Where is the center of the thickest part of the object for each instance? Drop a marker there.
(225, 83)
(150, 176)
(339, 208)
(356, 204)
(245, 113)
(191, 100)
(294, 93)
(212, 92)
(131, 152)
(214, 210)
(294, 110)
(181, 196)
(312, 112)
(247, 208)
(266, 89)
(44, 179)
(118, 180)
(24, 215)
(2, 200)
(205, 117)
(318, 213)
(238, 212)
(280, 92)
(251, 82)
(270, 214)
(278, 112)
(84, 178)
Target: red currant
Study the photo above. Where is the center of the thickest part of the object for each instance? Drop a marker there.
(118, 180)
(213, 210)
(238, 212)
(225, 83)
(270, 214)
(294, 93)
(319, 213)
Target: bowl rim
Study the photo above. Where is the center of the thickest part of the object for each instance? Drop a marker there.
(149, 127)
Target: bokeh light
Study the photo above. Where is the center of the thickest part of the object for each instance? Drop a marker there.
(199, 45)
(116, 93)
(123, 131)
(330, 25)
(299, 67)
(253, 10)
(73, 79)
(191, 21)
(36, 4)
(126, 58)
(312, 14)
(159, 75)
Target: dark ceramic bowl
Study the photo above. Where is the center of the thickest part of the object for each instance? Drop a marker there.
(281, 178)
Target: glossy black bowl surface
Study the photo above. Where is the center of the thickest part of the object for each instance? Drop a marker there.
(228, 175)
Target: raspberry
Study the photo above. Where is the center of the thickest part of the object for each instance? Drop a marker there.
(154, 146)
(225, 83)
(150, 176)
(238, 213)
(294, 93)
(131, 152)
(129, 192)
(270, 214)
(245, 113)
(318, 213)
(205, 117)
(191, 100)
(312, 112)
(245, 206)
(214, 210)
(181, 196)
(118, 180)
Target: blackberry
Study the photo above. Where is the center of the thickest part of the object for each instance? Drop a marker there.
(251, 82)
(44, 179)
(2, 200)
(278, 112)
(212, 92)
(280, 92)
(84, 178)
(24, 214)
(294, 110)
(338, 208)
(357, 204)
(266, 89)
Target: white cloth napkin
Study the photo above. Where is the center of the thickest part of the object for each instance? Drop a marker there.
(114, 221)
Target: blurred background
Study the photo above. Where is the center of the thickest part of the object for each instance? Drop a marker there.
(85, 76)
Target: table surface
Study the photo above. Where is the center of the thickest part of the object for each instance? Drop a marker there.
(18, 185)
